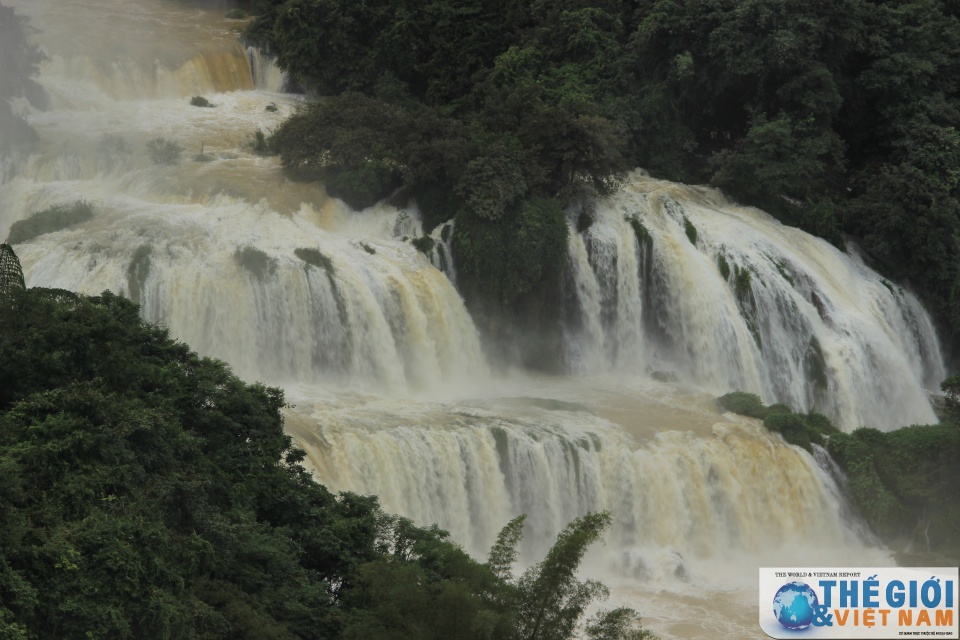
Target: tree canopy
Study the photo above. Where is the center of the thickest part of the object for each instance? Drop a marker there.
(838, 117)
(146, 492)
(902, 482)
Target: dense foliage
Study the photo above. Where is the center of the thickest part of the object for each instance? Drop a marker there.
(146, 492)
(835, 116)
(49, 220)
(903, 482)
(905, 485)
(803, 430)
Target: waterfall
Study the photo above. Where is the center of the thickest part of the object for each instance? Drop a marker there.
(728, 299)
(265, 73)
(372, 343)
(234, 287)
(718, 486)
(209, 248)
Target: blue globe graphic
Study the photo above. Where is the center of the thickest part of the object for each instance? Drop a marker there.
(794, 605)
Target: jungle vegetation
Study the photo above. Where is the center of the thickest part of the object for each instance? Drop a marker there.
(49, 220)
(146, 492)
(838, 117)
(902, 482)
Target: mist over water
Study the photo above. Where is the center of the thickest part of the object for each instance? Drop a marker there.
(391, 390)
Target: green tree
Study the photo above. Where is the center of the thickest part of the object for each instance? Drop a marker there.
(619, 624)
(475, 109)
(146, 492)
(838, 117)
(552, 600)
(904, 483)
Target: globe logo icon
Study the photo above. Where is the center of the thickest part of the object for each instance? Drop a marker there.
(794, 605)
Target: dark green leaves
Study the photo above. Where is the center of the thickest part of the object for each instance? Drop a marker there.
(904, 483)
(504, 551)
(146, 492)
(552, 600)
(507, 260)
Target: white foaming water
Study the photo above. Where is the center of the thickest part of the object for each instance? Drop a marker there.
(385, 321)
(209, 248)
(266, 75)
(699, 500)
(793, 319)
(384, 364)
(688, 480)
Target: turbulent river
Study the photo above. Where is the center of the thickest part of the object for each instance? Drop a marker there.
(390, 388)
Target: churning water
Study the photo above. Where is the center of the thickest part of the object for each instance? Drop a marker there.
(392, 391)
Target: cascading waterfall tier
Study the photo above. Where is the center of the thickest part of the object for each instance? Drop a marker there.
(276, 297)
(274, 277)
(677, 278)
(686, 486)
(698, 499)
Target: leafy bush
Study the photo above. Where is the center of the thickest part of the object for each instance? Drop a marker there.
(255, 261)
(904, 483)
(149, 493)
(423, 244)
(746, 404)
(260, 144)
(316, 258)
(438, 204)
(741, 281)
(200, 101)
(640, 231)
(803, 430)
(235, 14)
(951, 393)
(164, 152)
(584, 221)
(791, 426)
(49, 220)
(690, 230)
(508, 261)
(723, 266)
(784, 272)
(815, 365)
(361, 187)
(490, 184)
